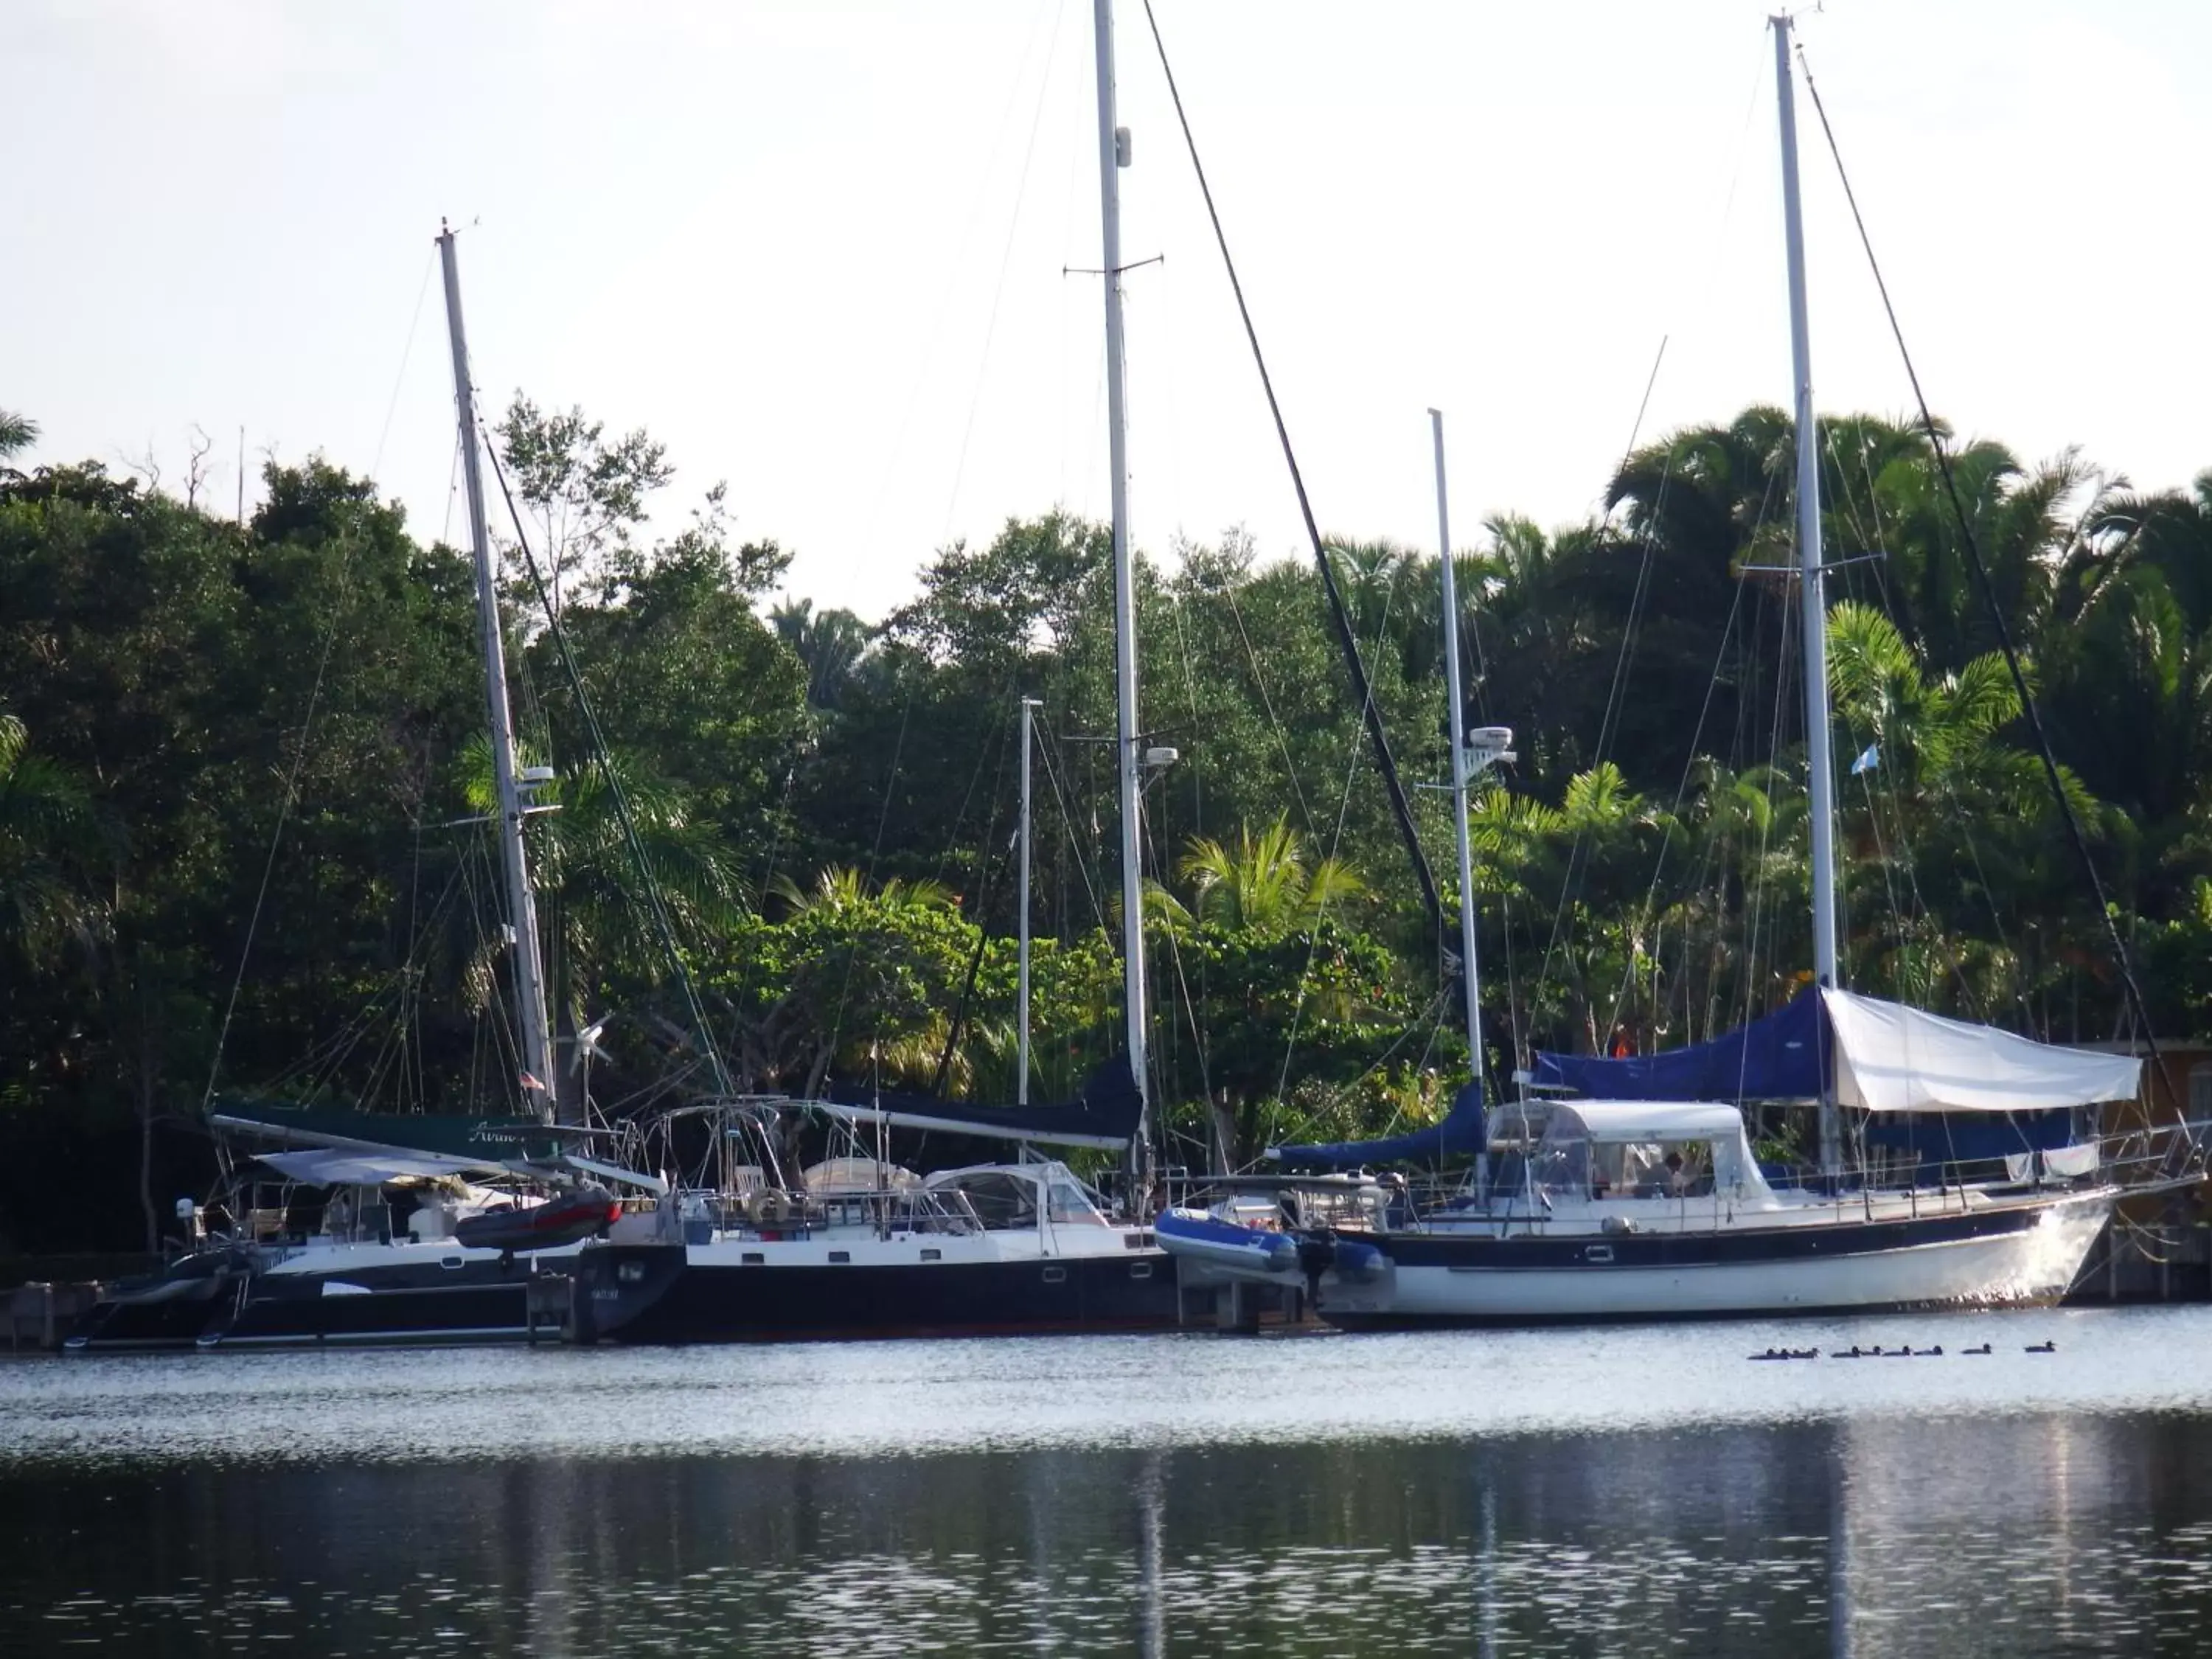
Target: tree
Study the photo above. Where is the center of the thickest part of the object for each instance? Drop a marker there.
(46, 829)
(1264, 883)
(1947, 797)
(587, 495)
(856, 977)
(17, 433)
(686, 680)
(1272, 979)
(829, 644)
(598, 926)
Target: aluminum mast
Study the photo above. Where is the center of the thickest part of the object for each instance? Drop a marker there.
(529, 969)
(1113, 155)
(1459, 770)
(1022, 982)
(1825, 966)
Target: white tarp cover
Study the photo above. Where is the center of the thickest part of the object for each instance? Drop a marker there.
(1890, 1058)
(2065, 1162)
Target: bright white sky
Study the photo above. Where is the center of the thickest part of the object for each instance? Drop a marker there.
(818, 247)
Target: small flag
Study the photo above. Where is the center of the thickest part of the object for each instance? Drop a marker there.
(530, 1082)
(1868, 761)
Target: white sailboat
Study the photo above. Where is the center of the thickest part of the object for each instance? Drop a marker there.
(1654, 1206)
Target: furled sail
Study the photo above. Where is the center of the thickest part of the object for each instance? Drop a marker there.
(1460, 1133)
(1106, 1114)
(1779, 1056)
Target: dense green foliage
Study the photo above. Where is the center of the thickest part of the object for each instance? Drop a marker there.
(213, 732)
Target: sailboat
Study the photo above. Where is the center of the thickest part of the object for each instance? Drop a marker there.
(1641, 1197)
(1022, 1246)
(486, 1202)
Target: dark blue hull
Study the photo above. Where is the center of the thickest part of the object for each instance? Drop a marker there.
(426, 1303)
(650, 1294)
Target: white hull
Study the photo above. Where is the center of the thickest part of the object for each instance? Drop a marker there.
(2035, 1263)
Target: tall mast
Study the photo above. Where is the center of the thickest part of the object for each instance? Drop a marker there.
(1113, 155)
(529, 970)
(1022, 982)
(1458, 735)
(1810, 582)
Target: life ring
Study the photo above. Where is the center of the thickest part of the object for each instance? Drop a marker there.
(768, 1208)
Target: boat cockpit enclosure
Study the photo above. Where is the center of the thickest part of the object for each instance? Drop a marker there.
(1012, 1194)
(1608, 1150)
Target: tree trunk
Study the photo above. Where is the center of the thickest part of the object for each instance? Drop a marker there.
(147, 1096)
(1225, 1135)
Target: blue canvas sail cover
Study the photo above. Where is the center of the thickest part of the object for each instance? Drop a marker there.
(1953, 1138)
(1785, 1056)
(1460, 1133)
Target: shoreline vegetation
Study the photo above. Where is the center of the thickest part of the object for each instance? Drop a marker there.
(827, 805)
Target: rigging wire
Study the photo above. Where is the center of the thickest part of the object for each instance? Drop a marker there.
(1335, 845)
(1562, 934)
(1369, 711)
(1758, 912)
(1069, 826)
(1554, 942)
(406, 351)
(616, 792)
(993, 747)
(992, 861)
(875, 855)
(953, 273)
(2003, 628)
(1890, 785)
(1005, 258)
(283, 816)
(1681, 791)
(1267, 702)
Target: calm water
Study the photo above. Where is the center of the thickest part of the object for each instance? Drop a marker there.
(1559, 1493)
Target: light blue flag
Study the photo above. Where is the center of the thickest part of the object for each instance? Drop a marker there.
(1868, 761)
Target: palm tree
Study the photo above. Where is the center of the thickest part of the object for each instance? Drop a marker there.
(1883, 493)
(1937, 737)
(597, 922)
(1263, 883)
(841, 889)
(17, 433)
(829, 644)
(1948, 807)
(2131, 651)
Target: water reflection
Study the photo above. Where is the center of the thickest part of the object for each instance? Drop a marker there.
(2030, 1535)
